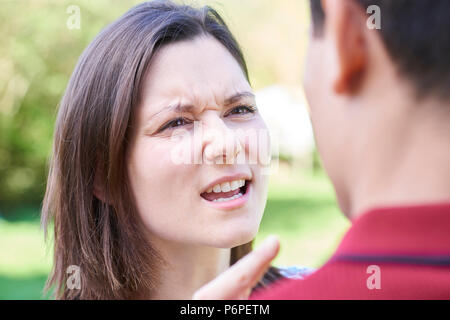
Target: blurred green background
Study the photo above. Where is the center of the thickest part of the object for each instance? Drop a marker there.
(37, 55)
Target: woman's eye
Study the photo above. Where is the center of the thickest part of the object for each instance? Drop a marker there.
(175, 123)
(242, 110)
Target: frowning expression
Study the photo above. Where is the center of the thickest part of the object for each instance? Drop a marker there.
(196, 101)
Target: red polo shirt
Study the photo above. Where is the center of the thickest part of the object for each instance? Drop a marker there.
(389, 253)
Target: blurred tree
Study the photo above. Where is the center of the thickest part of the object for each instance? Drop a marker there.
(38, 53)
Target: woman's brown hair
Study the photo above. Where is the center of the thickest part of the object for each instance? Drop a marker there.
(105, 238)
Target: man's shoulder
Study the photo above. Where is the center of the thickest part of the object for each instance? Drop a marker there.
(388, 253)
(353, 280)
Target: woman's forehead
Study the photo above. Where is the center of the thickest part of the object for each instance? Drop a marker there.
(198, 93)
(198, 71)
(202, 62)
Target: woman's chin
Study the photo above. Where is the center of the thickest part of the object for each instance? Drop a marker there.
(235, 238)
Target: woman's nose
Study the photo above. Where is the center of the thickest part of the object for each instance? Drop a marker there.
(221, 144)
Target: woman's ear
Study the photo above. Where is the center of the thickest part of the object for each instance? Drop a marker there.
(346, 27)
(99, 187)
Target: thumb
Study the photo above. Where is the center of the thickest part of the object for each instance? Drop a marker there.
(240, 278)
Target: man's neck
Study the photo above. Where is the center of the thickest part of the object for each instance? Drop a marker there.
(409, 162)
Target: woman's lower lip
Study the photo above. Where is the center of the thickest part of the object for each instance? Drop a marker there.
(231, 204)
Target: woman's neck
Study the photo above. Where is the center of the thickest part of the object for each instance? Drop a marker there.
(188, 267)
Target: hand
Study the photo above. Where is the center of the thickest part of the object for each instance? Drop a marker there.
(237, 282)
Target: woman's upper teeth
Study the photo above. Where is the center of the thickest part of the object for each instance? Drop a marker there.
(226, 186)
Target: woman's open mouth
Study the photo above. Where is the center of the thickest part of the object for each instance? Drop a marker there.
(228, 194)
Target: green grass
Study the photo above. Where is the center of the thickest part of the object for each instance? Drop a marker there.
(24, 260)
(301, 210)
(303, 213)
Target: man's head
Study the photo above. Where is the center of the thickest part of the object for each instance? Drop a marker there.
(364, 86)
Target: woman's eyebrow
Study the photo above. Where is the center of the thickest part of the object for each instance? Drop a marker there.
(176, 108)
(185, 108)
(239, 96)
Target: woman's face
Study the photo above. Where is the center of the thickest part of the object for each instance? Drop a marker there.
(195, 160)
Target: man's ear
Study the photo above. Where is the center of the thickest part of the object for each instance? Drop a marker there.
(345, 24)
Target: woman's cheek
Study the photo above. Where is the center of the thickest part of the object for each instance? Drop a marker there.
(150, 163)
(181, 148)
(156, 177)
(258, 144)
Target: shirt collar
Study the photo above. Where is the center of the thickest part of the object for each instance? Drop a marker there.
(406, 230)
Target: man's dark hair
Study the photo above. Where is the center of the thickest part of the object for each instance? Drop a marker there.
(416, 34)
